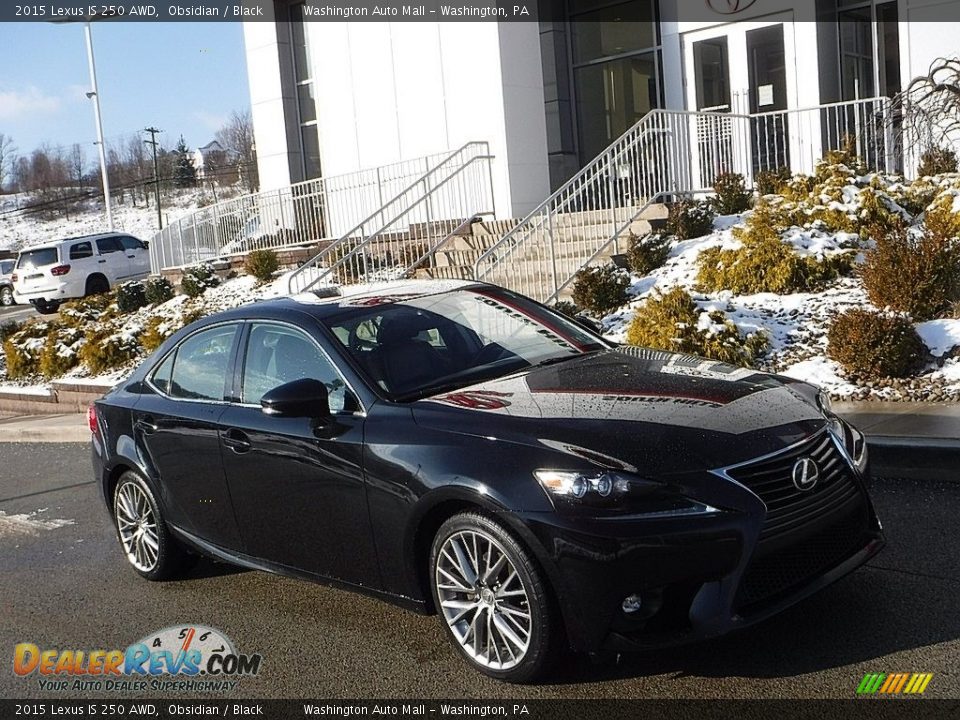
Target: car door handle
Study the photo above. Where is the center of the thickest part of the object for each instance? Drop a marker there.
(146, 425)
(132, 257)
(237, 440)
(101, 261)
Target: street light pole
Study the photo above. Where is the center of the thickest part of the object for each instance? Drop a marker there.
(95, 96)
(156, 172)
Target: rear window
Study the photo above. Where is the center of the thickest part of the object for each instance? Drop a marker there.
(40, 257)
(6, 267)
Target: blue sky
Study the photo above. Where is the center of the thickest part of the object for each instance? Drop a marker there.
(180, 77)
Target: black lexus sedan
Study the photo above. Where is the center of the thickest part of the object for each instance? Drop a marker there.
(460, 449)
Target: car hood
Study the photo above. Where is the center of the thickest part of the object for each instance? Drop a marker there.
(634, 409)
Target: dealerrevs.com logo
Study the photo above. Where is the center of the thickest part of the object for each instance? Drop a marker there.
(186, 658)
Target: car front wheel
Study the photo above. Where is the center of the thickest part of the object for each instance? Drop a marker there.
(492, 598)
(6, 296)
(142, 532)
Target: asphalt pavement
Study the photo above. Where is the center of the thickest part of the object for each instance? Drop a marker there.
(17, 312)
(64, 584)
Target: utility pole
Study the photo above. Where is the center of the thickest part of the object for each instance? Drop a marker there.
(156, 171)
(94, 95)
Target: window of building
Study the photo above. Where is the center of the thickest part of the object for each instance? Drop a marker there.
(306, 95)
(614, 47)
(864, 59)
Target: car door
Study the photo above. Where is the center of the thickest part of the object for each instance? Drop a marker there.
(297, 485)
(138, 256)
(177, 431)
(113, 260)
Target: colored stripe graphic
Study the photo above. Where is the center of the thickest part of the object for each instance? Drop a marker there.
(894, 683)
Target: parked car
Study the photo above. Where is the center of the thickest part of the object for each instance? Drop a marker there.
(46, 275)
(6, 282)
(467, 451)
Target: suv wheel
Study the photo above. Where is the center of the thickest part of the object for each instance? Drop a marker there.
(493, 599)
(97, 285)
(6, 296)
(142, 531)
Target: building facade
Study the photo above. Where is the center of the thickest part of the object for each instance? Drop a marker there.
(330, 98)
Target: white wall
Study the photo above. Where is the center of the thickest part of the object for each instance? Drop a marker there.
(394, 91)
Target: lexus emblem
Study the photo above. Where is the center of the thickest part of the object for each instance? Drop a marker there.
(805, 474)
(729, 7)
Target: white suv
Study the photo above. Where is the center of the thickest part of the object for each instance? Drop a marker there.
(46, 275)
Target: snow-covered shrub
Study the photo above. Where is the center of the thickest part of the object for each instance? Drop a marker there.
(915, 273)
(936, 161)
(91, 309)
(870, 344)
(771, 182)
(158, 290)
(764, 263)
(9, 327)
(646, 254)
(690, 219)
(600, 289)
(197, 279)
(674, 321)
(23, 349)
(60, 350)
(131, 296)
(262, 264)
(107, 349)
(730, 194)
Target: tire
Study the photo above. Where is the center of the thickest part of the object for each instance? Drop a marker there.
(46, 308)
(144, 538)
(97, 285)
(6, 296)
(504, 623)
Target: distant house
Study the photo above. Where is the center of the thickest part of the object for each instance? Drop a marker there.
(215, 162)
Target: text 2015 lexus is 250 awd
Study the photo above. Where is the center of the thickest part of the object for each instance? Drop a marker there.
(462, 449)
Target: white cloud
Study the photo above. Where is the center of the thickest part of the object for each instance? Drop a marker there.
(15, 104)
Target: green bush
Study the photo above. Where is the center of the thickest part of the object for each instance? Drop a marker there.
(567, 308)
(772, 182)
(158, 290)
(647, 253)
(106, 349)
(197, 279)
(672, 321)
(91, 309)
(23, 348)
(731, 194)
(690, 219)
(870, 344)
(262, 264)
(764, 263)
(917, 274)
(9, 327)
(937, 161)
(131, 296)
(600, 289)
(59, 353)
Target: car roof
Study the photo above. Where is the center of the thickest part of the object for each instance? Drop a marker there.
(321, 305)
(94, 236)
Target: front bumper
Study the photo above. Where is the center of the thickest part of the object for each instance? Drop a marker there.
(697, 577)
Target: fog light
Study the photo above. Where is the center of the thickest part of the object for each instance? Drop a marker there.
(632, 604)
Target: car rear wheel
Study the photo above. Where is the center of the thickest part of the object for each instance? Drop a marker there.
(46, 308)
(97, 285)
(6, 296)
(492, 598)
(142, 532)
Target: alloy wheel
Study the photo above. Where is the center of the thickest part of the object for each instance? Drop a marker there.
(6, 296)
(137, 525)
(483, 600)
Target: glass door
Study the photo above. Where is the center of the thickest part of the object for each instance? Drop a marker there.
(767, 95)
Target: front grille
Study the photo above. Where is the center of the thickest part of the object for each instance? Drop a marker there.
(776, 573)
(790, 509)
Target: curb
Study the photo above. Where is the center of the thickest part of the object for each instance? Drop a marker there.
(915, 458)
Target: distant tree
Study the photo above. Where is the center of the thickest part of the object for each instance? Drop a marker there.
(930, 106)
(8, 158)
(78, 163)
(237, 137)
(184, 171)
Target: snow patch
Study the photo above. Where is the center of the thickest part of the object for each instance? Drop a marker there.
(941, 336)
(28, 523)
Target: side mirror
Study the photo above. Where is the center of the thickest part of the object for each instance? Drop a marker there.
(300, 398)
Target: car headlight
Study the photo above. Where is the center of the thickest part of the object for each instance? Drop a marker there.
(825, 403)
(614, 490)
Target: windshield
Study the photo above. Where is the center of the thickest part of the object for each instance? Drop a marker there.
(37, 258)
(424, 345)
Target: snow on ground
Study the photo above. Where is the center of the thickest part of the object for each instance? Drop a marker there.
(22, 229)
(28, 523)
(941, 336)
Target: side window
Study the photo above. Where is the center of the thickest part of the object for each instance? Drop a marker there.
(108, 245)
(200, 368)
(161, 376)
(277, 355)
(82, 250)
(130, 243)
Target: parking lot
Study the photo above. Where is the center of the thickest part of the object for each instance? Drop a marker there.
(17, 312)
(66, 586)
